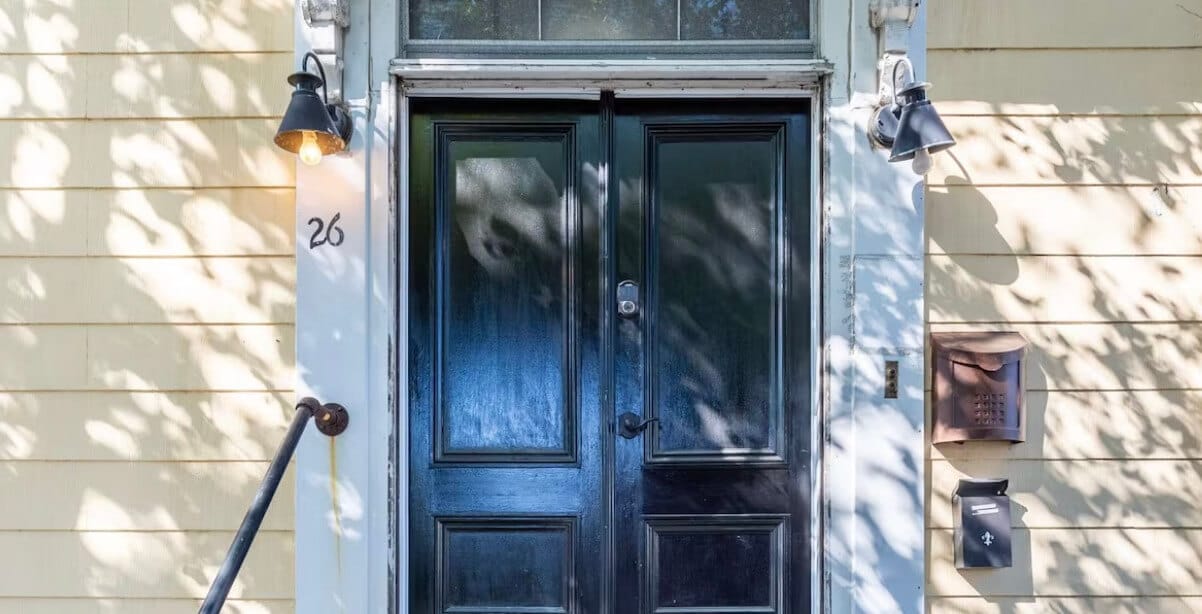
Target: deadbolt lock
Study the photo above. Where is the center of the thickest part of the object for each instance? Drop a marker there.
(628, 299)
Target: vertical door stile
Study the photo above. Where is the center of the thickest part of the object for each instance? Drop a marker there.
(608, 199)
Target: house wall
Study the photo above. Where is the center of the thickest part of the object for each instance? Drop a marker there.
(146, 301)
(1070, 212)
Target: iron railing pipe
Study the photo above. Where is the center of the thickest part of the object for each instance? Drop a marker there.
(331, 420)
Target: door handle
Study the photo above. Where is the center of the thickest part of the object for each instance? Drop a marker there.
(630, 425)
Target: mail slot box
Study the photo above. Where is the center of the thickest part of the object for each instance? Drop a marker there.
(982, 524)
(977, 392)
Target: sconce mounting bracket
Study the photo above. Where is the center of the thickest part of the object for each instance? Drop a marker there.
(327, 21)
(319, 13)
(893, 18)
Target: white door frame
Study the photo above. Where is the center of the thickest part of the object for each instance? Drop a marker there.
(351, 493)
(641, 80)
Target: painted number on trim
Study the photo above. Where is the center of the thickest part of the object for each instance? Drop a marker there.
(330, 230)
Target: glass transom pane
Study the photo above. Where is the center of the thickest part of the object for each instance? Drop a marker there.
(609, 20)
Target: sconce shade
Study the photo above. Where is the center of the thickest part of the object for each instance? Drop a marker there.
(308, 113)
(919, 126)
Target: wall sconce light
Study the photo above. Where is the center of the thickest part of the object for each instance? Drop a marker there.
(909, 124)
(312, 127)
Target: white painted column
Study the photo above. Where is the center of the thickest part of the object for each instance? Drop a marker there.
(873, 470)
(345, 338)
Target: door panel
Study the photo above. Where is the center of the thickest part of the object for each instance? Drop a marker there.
(711, 293)
(524, 496)
(506, 332)
(504, 343)
(712, 499)
(741, 557)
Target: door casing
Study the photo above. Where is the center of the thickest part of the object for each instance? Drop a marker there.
(647, 89)
(346, 305)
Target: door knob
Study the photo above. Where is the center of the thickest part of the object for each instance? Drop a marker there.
(630, 425)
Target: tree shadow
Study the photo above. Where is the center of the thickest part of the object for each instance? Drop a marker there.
(147, 300)
(1076, 231)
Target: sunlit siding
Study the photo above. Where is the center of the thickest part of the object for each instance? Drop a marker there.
(147, 294)
(1071, 211)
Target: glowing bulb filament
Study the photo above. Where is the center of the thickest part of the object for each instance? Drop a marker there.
(310, 151)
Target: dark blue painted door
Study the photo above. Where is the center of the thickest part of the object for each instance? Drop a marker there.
(527, 495)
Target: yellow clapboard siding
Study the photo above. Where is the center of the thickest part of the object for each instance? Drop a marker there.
(1072, 150)
(147, 357)
(1066, 605)
(33, 605)
(43, 357)
(1147, 424)
(142, 153)
(139, 496)
(148, 222)
(164, 564)
(1063, 23)
(147, 290)
(1090, 493)
(1077, 81)
(1066, 356)
(1086, 562)
(1121, 220)
(143, 426)
(133, 26)
(144, 86)
(965, 288)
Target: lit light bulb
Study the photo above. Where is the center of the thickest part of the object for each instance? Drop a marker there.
(310, 151)
(922, 161)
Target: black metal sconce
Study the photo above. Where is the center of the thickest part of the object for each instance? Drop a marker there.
(312, 127)
(910, 125)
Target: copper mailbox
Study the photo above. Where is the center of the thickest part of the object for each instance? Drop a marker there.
(977, 392)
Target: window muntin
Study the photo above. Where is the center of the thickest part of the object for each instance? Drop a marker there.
(537, 24)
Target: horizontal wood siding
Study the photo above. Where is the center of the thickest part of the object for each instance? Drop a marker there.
(143, 153)
(139, 606)
(147, 299)
(248, 222)
(1069, 212)
(1066, 605)
(1054, 24)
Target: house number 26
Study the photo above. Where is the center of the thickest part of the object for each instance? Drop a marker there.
(332, 235)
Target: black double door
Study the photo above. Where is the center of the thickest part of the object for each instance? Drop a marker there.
(609, 358)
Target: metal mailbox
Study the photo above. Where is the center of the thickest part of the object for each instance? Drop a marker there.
(977, 392)
(982, 524)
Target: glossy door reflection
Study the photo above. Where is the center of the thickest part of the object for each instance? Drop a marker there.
(712, 502)
(527, 495)
(505, 460)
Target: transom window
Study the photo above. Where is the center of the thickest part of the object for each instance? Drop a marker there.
(606, 27)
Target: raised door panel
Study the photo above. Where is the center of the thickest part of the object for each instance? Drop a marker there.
(506, 364)
(513, 565)
(735, 564)
(713, 294)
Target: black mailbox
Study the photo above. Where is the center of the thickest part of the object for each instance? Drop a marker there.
(982, 524)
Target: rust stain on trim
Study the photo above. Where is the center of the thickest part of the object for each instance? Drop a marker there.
(335, 507)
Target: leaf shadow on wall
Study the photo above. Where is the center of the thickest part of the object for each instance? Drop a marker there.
(1077, 231)
(146, 302)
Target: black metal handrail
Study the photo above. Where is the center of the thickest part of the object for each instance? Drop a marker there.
(332, 419)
